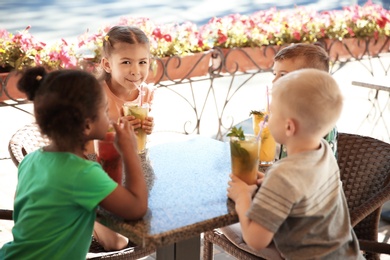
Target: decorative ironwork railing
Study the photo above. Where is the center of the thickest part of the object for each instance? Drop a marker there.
(247, 71)
(217, 89)
(376, 122)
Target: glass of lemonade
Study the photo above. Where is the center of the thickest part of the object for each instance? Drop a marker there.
(267, 144)
(140, 112)
(257, 117)
(245, 158)
(268, 148)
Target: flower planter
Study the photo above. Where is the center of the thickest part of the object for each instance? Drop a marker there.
(248, 58)
(9, 90)
(354, 48)
(178, 68)
(381, 45)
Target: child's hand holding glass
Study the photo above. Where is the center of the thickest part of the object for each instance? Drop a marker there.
(124, 136)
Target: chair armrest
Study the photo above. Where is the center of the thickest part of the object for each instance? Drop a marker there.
(374, 247)
(366, 208)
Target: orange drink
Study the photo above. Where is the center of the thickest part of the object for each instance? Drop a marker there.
(245, 158)
(257, 117)
(140, 112)
(268, 147)
(267, 144)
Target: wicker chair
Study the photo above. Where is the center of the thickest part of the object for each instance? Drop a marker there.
(28, 139)
(365, 172)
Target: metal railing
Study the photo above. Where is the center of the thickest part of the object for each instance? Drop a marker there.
(212, 103)
(225, 82)
(377, 120)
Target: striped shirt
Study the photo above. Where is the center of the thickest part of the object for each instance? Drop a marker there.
(301, 200)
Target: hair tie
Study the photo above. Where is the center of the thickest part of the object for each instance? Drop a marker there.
(38, 78)
(106, 37)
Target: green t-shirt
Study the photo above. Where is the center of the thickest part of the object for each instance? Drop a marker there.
(331, 138)
(54, 209)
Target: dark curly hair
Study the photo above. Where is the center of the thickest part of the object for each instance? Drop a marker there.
(63, 100)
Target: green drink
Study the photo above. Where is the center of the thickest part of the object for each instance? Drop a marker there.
(244, 152)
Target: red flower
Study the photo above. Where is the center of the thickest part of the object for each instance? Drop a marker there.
(168, 38)
(222, 38)
(382, 21)
(200, 43)
(157, 33)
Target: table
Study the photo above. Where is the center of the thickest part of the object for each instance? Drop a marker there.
(376, 85)
(188, 197)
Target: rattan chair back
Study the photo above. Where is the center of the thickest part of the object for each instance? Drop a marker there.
(365, 172)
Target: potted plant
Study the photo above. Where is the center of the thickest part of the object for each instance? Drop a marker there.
(254, 39)
(244, 42)
(356, 31)
(22, 50)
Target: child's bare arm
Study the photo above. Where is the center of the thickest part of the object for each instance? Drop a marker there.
(253, 233)
(129, 202)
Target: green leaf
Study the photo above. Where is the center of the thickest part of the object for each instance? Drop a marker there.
(241, 153)
(255, 112)
(238, 151)
(239, 133)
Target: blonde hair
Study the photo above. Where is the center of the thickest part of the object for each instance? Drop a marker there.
(310, 96)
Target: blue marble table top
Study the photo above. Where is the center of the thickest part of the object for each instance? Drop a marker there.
(188, 195)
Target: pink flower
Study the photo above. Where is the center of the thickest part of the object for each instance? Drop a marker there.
(297, 36)
(350, 31)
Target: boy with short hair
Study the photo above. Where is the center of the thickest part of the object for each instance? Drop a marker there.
(300, 56)
(300, 204)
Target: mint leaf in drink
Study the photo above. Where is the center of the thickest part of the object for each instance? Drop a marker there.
(237, 132)
(256, 112)
(237, 150)
(235, 146)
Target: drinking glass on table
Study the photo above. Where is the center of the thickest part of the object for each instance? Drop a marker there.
(108, 157)
(139, 112)
(245, 157)
(267, 145)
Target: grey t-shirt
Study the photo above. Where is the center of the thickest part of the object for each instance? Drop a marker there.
(302, 201)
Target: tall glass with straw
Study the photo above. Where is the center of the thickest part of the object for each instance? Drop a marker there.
(139, 110)
(260, 128)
